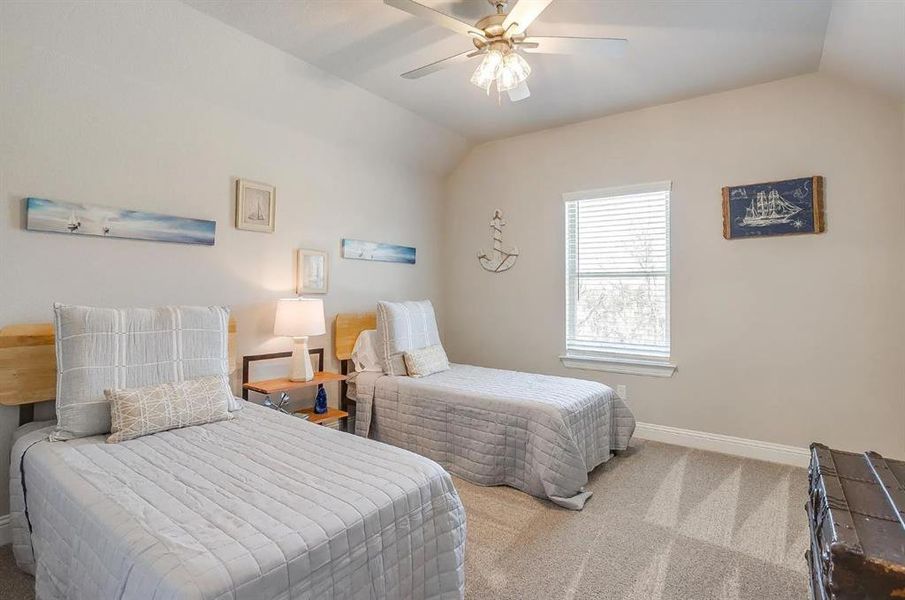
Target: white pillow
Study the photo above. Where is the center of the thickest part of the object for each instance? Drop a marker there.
(401, 327)
(110, 348)
(364, 353)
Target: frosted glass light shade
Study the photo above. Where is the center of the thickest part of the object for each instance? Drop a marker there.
(298, 317)
(509, 70)
(517, 66)
(487, 71)
(506, 80)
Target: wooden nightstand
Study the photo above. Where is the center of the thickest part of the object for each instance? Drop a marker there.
(274, 386)
(284, 384)
(332, 414)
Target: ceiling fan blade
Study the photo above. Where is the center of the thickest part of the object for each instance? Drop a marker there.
(574, 45)
(442, 64)
(524, 13)
(519, 93)
(436, 17)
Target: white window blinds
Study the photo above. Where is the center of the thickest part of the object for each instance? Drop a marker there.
(617, 272)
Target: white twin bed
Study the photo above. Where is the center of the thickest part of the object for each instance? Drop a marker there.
(263, 506)
(269, 506)
(537, 433)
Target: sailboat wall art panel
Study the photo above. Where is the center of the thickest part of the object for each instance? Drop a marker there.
(361, 250)
(776, 208)
(255, 206)
(73, 218)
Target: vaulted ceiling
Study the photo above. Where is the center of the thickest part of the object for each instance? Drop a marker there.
(677, 49)
(865, 43)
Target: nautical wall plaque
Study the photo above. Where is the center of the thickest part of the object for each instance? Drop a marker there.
(499, 259)
(776, 208)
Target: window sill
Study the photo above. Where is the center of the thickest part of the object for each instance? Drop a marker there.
(650, 367)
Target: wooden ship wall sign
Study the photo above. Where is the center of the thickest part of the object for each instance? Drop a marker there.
(500, 258)
(776, 208)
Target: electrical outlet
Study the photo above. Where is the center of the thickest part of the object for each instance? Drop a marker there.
(622, 392)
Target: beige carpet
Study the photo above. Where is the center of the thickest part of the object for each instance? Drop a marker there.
(665, 523)
(14, 584)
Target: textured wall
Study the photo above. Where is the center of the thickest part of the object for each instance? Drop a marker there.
(156, 106)
(784, 339)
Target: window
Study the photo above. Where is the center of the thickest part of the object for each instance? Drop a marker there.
(617, 280)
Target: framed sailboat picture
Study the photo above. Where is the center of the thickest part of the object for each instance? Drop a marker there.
(775, 208)
(313, 272)
(255, 206)
(73, 218)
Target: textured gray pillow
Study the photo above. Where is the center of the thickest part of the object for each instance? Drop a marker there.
(404, 326)
(110, 348)
(154, 408)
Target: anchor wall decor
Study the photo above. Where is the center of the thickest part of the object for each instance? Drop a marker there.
(499, 259)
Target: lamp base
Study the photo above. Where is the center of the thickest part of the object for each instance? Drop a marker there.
(300, 365)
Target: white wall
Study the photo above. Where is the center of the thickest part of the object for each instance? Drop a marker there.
(785, 340)
(158, 107)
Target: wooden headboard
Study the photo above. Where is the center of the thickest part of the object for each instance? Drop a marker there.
(28, 363)
(346, 330)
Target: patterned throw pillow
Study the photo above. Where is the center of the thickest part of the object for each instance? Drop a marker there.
(142, 411)
(123, 348)
(426, 361)
(402, 327)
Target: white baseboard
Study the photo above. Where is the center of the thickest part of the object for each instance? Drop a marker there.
(6, 534)
(715, 442)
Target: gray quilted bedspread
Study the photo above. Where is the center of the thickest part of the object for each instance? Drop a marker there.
(265, 506)
(537, 433)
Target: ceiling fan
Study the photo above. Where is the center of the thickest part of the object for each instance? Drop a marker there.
(499, 38)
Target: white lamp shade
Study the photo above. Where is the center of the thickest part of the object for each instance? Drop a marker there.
(299, 317)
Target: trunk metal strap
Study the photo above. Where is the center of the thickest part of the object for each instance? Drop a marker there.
(840, 517)
(891, 486)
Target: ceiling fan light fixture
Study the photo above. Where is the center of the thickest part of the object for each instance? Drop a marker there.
(496, 37)
(506, 80)
(517, 65)
(489, 69)
(505, 67)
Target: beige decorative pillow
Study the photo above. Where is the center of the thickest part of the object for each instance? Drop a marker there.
(146, 410)
(426, 361)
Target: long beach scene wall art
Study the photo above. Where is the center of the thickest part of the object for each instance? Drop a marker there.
(89, 219)
(361, 250)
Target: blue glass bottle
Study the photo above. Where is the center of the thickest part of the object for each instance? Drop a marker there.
(320, 403)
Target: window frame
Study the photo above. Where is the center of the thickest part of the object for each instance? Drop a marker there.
(656, 365)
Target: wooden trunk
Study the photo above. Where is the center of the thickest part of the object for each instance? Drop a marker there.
(856, 512)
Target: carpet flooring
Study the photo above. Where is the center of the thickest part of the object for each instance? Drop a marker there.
(14, 584)
(665, 523)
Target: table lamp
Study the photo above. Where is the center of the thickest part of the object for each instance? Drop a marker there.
(298, 318)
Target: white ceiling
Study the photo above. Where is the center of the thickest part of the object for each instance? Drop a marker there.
(677, 49)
